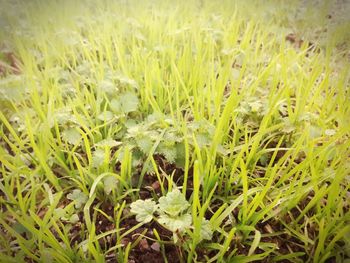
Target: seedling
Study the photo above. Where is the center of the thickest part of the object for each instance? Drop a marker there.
(172, 212)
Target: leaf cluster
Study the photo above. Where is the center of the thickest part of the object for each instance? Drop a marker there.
(172, 212)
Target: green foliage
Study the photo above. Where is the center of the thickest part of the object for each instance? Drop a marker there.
(110, 183)
(176, 223)
(98, 157)
(173, 204)
(71, 136)
(129, 102)
(105, 116)
(244, 106)
(169, 150)
(78, 197)
(108, 143)
(11, 88)
(173, 214)
(67, 216)
(144, 210)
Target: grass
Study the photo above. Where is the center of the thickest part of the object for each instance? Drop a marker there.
(112, 102)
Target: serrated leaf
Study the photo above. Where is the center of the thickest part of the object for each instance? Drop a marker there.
(149, 168)
(144, 210)
(60, 213)
(168, 151)
(71, 136)
(288, 128)
(195, 125)
(63, 116)
(115, 105)
(145, 144)
(134, 131)
(107, 86)
(155, 117)
(130, 123)
(110, 183)
(129, 102)
(206, 230)
(179, 223)
(105, 116)
(127, 81)
(174, 203)
(203, 140)
(74, 219)
(173, 136)
(108, 143)
(137, 158)
(256, 106)
(98, 157)
(78, 197)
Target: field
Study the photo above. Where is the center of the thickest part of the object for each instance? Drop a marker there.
(174, 131)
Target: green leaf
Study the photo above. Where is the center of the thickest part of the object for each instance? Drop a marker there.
(63, 115)
(116, 106)
(11, 88)
(98, 157)
(174, 203)
(256, 106)
(179, 223)
(105, 116)
(108, 87)
(71, 136)
(110, 183)
(169, 151)
(180, 155)
(173, 136)
(127, 81)
(137, 158)
(20, 229)
(135, 131)
(78, 197)
(130, 123)
(61, 213)
(288, 126)
(221, 150)
(206, 230)
(203, 140)
(149, 168)
(264, 158)
(144, 210)
(74, 219)
(155, 117)
(129, 102)
(255, 243)
(108, 143)
(145, 144)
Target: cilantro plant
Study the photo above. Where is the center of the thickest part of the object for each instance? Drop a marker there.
(172, 212)
(78, 197)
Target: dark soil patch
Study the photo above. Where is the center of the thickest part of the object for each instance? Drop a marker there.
(148, 250)
(151, 185)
